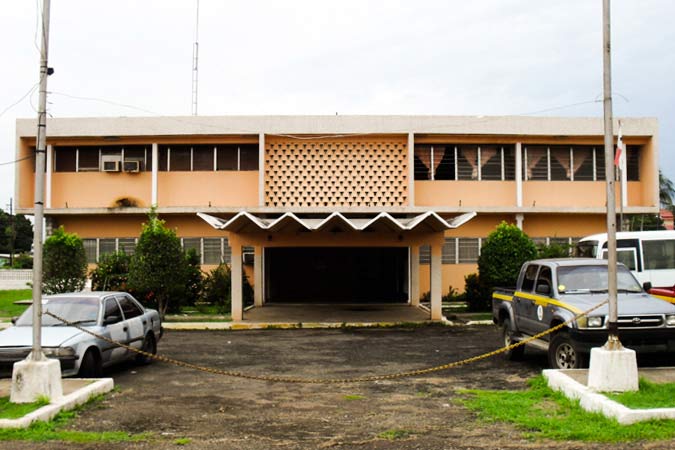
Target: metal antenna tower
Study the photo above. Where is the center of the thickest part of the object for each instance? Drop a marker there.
(195, 65)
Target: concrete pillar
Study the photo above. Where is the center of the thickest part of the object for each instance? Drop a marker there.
(519, 221)
(236, 274)
(436, 307)
(258, 276)
(415, 275)
(411, 169)
(261, 169)
(155, 169)
(519, 174)
(48, 176)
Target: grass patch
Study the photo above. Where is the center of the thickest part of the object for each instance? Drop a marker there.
(354, 397)
(16, 410)
(182, 441)
(7, 299)
(393, 435)
(543, 413)
(650, 395)
(54, 430)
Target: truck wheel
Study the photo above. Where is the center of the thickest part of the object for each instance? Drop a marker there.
(563, 353)
(508, 339)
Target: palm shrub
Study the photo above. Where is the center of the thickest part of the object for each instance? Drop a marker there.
(218, 288)
(64, 263)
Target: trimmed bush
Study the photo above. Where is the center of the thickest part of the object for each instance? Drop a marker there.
(218, 288)
(111, 273)
(64, 263)
(502, 254)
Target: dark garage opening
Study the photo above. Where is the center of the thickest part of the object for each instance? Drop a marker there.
(336, 275)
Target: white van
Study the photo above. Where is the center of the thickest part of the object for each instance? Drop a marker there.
(650, 255)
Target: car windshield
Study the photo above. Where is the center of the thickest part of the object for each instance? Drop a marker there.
(594, 279)
(73, 309)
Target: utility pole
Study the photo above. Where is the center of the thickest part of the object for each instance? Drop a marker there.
(38, 376)
(612, 367)
(612, 326)
(195, 66)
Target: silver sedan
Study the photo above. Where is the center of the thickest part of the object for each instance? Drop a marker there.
(115, 315)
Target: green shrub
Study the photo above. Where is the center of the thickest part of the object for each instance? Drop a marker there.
(158, 270)
(502, 254)
(218, 288)
(478, 297)
(64, 263)
(553, 251)
(22, 261)
(111, 273)
(194, 279)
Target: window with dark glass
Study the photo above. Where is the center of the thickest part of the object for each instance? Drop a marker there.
(491, 162)
(535, 162)
(65, 159)
(449, 253)
(248, 157)
(163, 158)
(202, 157)
(227, 157)
(444, 162)
(560, 161)
(582, 165)
(467, 162)
(112, 309)
(129, 307)
(179, 158)
(423, 162)
(633, 162)
(87, 159)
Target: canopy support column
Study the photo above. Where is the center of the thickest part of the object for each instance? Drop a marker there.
(258, 276)
(436, 279)
(414, 275)
(236, 282)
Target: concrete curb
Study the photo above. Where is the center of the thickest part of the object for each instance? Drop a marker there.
(70, 401)
(595, 402)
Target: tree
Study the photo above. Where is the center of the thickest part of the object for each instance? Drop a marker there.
(17, 227)
(666, 191)
(158, 268)
(503, 253)
(64, 263)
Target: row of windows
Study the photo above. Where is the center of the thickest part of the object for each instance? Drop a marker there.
(467, 250)
(497, 162)
(184, 158)
(210, 250)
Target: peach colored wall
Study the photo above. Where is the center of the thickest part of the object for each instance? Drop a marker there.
(465, 193)
(25, 171)
(562, 225)
(99, 189)
(452, 275)
(222, 188)
(564, 193)
(649, 174)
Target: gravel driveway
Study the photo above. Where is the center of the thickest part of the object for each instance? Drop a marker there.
(217, 412)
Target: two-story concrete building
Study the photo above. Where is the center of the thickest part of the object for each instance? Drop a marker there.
(334, 209)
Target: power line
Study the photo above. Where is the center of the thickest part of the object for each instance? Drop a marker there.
(30, 91)
(16, 160)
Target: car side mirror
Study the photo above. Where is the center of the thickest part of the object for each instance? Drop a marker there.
(111, 320)
(647, 285)
(14, 319)
(543, 289)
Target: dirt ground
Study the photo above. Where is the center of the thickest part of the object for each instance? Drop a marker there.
(217, 412)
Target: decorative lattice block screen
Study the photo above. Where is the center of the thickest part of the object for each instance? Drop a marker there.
(341, 172)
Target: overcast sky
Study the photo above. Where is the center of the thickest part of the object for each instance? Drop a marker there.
(485, 57)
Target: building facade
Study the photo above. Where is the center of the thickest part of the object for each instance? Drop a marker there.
(334, 209)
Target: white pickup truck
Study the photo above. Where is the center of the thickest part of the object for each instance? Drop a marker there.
(553, 291)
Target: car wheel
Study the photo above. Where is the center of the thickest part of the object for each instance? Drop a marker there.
(149, 346)
(563, 353)
(508, 339)
(91, 365)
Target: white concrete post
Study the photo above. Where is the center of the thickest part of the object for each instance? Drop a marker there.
(48, 176)
(415, 275)
(261, 169)
(236, 282)
(258, 276)
(519, 174)
(155, 168)
(411, 169)
(519, 221)
(436, 307)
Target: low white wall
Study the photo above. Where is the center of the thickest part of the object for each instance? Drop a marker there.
(15, 279)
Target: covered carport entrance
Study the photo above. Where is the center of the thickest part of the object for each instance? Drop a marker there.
(319, 256)
(336, 275)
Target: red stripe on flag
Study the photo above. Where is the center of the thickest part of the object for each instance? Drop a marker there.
(617, 156)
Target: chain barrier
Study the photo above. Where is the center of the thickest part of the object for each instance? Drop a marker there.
(300, 380)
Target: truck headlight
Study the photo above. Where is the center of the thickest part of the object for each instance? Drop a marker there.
(670, 321)
(58, 351)
(595, 322)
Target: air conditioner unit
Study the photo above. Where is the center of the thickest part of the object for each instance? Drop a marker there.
(132, 166)
(247, 258)
(111, 166)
